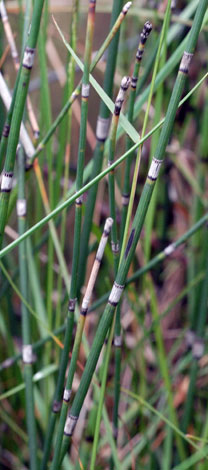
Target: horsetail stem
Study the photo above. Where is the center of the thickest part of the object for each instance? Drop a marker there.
(58, 389)
(112, 144)
(81, 154)
(15, 57)
(78, 210)
(18, 110)
(96, 266)
(119, 284)
(24, 137)
(101, 135)
(114, 242)
(102, 395)
(114, 236)
(125, 200)
(7, 124)
(70, 87)
(27, 354)
(80, 327)
(139, 153)
(132, 96)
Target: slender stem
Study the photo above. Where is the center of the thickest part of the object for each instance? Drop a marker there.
(102, 396)
(101, 135)
(118, 287)
(17, 114)
(115, 250)
(134, 79)
(47, 119)
(139, 153)
(24, 136)
(26, 324)
(68, 129)
(78, 208)
(16, 62)
(111, 183)
(78, 337)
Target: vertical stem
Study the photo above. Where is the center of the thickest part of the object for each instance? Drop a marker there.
(78, 208)
(101, 135)
(27, 354)
(138, 158)
(70, 86)
(17, 114)
(134, 79)
(79, 333)
(15, 55)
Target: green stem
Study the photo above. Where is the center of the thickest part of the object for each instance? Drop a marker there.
(101, 135)
(78, 208)
(22, 87)
(118, 287)
(26, 324)
(134, 79)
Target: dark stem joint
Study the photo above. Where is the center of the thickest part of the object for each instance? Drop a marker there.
(70, 425)
(115, 247)
(117, 108)
(139, 54)
(79, 201)
(6, 130)
(56, 406)
(134, 82)
(67, 395)
(125, 199)
(115, 294)
(117, 341)
(28, 58)
(198, 348)
(115, 432)
(83, 312)
(146, 32)
(6, 181)
(185, 62)
(72, 303)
